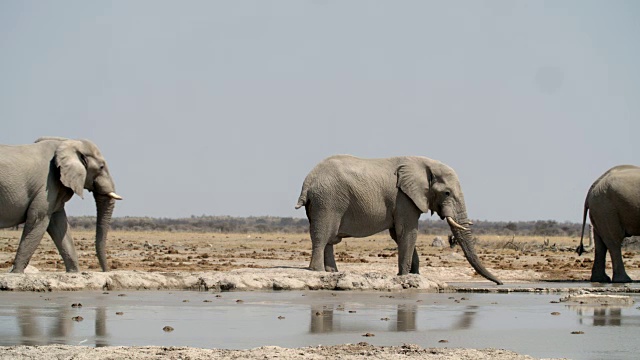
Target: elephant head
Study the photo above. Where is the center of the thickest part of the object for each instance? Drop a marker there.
(434, 187)
(82, 166)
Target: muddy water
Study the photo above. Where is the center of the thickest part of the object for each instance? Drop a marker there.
(521, 322)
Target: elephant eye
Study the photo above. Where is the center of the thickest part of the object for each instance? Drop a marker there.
(447, 193)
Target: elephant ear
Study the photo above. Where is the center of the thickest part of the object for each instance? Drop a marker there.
(72, 170)
(414, 179)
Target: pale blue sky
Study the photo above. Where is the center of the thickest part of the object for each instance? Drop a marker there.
(223, 107)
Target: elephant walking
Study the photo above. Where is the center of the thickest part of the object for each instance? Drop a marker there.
(346, 196)
(36, 181)
(613, 203)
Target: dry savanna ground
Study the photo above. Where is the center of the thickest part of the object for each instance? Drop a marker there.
(552, 257)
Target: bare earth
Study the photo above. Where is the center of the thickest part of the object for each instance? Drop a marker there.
(213, 261)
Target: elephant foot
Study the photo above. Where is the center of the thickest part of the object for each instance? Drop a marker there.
(330, 269)
(17, 269)
(407, 271)
(316, 266)
(602, 278)
(624, 278)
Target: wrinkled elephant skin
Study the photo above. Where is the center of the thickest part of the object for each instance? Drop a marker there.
(613, 204)
(36, 181)
(346, 196)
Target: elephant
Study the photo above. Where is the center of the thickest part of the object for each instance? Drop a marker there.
(613, 204)
(36, 180)
(346, 196)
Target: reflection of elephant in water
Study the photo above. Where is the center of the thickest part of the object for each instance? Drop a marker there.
(602, 315)
(613, 203)
(36, 181)
(345, 196)
(322, 319)
(32, 331)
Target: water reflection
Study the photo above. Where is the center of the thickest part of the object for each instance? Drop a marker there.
(467, 318)
(324, 319)
(321, 319)
(101, 327)
(600, 315)
(327, 318)
(35, 330)
(406, 318)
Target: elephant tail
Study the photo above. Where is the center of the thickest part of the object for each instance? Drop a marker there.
(580, 249)
(302, 199)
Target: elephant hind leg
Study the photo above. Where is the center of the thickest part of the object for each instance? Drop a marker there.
(329, 258)
(598, 273)
(31, 236)
(615, 252)
(60, 233)
(619, 273)
(323, 236)
(610, 236)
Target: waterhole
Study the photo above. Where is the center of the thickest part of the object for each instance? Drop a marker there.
(535, 324)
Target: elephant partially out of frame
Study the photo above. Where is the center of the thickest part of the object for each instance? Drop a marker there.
(36, 181)
(613, 203)
(346, 196)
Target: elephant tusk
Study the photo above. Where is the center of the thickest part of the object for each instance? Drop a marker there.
(114, 196)
(454, 224)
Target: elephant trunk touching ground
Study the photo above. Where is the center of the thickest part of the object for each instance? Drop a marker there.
(462, 235)
(104, 206)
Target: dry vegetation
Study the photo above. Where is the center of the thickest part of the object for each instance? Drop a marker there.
(202, 251)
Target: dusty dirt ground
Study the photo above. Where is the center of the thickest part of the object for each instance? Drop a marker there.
(213, 261)
(510, 258)
(347, 351)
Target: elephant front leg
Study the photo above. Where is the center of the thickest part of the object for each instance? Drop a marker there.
(31, 237)
(598, 273)
(60, 233)
(415, 262)
(408, 261)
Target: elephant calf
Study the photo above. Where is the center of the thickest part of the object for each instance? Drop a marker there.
(36, 181)
(613, 203)
(346, 196)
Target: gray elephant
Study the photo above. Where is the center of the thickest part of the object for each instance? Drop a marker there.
(613, 203)
(36, 181)
(346, 196)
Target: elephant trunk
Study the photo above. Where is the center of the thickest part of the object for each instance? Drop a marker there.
(462, 235)
(104, 206)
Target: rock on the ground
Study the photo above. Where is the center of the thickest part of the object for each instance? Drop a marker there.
(239, 279)
(584, 297)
